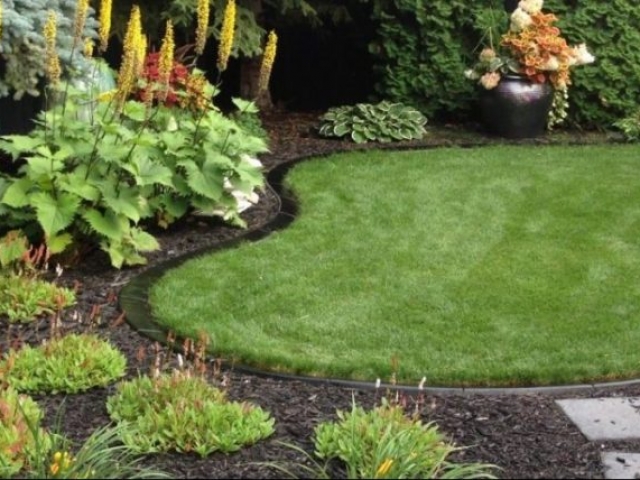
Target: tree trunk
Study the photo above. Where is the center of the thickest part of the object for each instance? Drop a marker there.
(249, 84)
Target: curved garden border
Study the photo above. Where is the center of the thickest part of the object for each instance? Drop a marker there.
(134, 302)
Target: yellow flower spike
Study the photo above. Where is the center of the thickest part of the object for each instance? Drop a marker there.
(384, 468)
(105, 23)
(203, 24)
(226, 35)
(141, 54)
(88, 48)
(82, 8)
(54, 70)
(165, 61)
(268, 58)
(57, 457)
(129, 63)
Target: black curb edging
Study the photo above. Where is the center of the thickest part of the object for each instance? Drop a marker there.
(134, 299)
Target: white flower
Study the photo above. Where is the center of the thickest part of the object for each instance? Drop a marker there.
(520, 20)
(471, 74)
(551, 64)
(531, 6)
(582, 55)
(490, 80)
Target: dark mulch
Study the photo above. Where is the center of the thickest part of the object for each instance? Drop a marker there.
(527, 436)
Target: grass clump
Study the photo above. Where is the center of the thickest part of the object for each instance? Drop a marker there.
(102, 455)
(68, 364)
(20, 432)
(385, 443)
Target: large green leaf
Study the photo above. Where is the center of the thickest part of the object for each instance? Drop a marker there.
(16, 194)
(55, 213)
(58, 243)
(126, 201)
(147, 172)
(207, 182)
(107, 225)
(75, 182)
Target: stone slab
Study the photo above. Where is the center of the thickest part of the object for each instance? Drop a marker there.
(605, 418)
(620, 465)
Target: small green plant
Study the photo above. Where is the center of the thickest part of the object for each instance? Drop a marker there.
(68, 364)
(630, 126)
(23, 296)
(382, 122)
(20, 432)
(23, 299)
(184, 412)
(385, 443)
(102, 455)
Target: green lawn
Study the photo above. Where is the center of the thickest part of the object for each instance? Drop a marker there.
(491, 266)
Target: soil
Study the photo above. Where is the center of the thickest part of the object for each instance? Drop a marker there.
(525, 435)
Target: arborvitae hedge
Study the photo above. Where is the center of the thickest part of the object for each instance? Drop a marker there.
(424, 46)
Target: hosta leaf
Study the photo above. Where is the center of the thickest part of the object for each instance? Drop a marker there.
(55, 213)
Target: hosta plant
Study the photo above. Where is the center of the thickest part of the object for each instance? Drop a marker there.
(183, 412)
(21, 436)
(69, 364)
(381, 122)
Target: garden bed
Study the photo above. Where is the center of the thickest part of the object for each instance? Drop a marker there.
(525, 435)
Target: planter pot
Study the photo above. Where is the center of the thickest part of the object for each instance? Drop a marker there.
(516, 108)
(511, 5)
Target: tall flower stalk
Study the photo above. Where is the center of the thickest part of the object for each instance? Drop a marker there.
(54, 71)
(105, 23)
(165, 62)
(202, 26)
(226, 35)
(268, 58)
(130, 64)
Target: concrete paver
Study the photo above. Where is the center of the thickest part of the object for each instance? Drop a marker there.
(620, 465)
(605, 418)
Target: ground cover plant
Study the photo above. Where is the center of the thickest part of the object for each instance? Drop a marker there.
(435, 258)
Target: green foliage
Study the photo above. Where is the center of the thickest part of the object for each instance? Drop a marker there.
(382, 122)
(22, 43)
(68, 364)
(630, 126)
(601, 95)
(385, 443)
(96, 179)
(24, 298)
(423, 49)
(20, 432)
(184, 413)
(247, 118)
(102, 455)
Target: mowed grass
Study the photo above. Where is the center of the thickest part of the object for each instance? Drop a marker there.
(496, 266)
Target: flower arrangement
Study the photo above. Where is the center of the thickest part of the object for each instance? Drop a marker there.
(532, 47)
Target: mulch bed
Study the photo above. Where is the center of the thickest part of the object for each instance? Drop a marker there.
(527, 436)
